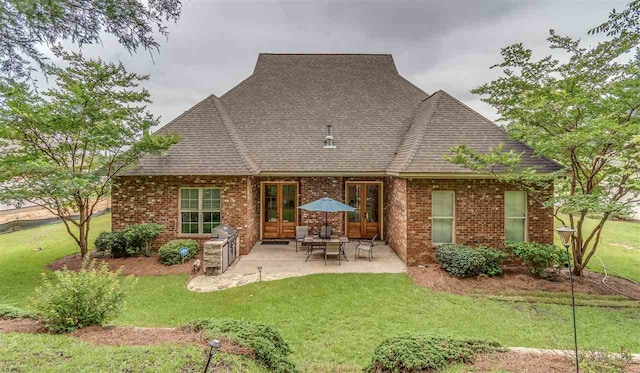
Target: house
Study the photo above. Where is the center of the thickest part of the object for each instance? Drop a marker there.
(347, 126)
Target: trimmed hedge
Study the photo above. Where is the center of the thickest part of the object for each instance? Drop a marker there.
(114, 242)
(538, 257)
(140, 238)
(460, 260)
(269, 348)
(494, 259)
(169, 253)
(416, 353)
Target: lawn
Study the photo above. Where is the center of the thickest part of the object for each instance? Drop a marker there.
(333, 321)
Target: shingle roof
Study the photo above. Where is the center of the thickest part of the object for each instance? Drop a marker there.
(453, 123)
(276, 121)
(209, 145)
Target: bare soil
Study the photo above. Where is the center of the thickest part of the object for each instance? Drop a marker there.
(518, 279)
(8, 325)
(138, 266)
(131, 336)
(529, 363)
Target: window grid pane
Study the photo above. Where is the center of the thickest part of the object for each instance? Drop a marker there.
(515, 212)
(196, 203)
(442, 212)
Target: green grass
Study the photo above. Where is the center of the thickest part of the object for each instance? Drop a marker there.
(51, 353)
(619, 249)
(333, 321)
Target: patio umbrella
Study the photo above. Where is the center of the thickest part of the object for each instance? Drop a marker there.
(327, 205)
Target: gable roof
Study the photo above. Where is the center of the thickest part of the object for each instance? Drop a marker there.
(275, 121)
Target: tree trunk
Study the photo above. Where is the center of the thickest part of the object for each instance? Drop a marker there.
(82, 237)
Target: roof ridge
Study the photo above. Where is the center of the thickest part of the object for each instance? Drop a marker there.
(235, 139)
(183, 114)
(413, 140)
(500, 128)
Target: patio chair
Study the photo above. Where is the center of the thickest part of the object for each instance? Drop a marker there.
(301, 233)
(332, 248)
(366, 246)
(325, 231)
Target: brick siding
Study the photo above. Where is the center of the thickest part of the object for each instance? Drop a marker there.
(395, 215)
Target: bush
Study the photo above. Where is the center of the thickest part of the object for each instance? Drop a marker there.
(493, 260)
(114, 242)
(604, 362)
(460, 260)
(169, 253)
(78, 299)
(268, 346)
(10, 312)
(140, 238)
(416, 353)
(538, 257)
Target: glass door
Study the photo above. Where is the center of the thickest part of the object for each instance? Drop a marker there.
(364, 222)
(280, 210)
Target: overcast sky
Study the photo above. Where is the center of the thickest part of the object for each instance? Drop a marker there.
(446, 45)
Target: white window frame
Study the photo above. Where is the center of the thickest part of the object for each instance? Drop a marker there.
(199, 210)
(452, 218)
(525, 219)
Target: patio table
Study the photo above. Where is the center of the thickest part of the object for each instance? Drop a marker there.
(310, 240)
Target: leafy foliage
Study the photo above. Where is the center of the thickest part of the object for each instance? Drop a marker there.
(269, 348)
(493, 258)
(538, 257)
(140, 238)
(114, 242)
(169, 253)
(604, 362)
(27, 25)
(61, 148)
(460, 260)
(581, 112)
(11, 312)
(416, 353)
(75, 300)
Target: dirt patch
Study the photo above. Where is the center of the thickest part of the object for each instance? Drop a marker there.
(518, 279)
(138, 266)
(21, 326)
(123, 336)
(529, 363)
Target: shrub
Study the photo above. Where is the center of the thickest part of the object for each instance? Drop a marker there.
(11, 312)
(493, 260)
(460, 260)
(114, 242)
(604, 362)
(75, 300)
(416, 353)
(169, 253)
(140, 238)
(268, 346)
(538, 257)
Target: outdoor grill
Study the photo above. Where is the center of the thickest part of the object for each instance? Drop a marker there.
(221, 250)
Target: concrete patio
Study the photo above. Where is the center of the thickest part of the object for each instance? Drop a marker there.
(282, 261)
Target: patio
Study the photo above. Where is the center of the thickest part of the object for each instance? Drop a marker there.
(282, 261)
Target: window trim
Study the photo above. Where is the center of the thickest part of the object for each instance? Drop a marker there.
(452, 218)
(199, 210)
(525, 219)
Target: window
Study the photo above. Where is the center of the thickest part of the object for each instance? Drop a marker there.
(515, 215)
(199, 210)
(442, 213)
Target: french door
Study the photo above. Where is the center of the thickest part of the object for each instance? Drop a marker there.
(279, 210)
(365, 197)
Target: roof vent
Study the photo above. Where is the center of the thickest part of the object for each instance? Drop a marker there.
(329, 138)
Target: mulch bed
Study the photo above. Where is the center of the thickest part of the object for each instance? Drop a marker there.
(21, 326)
(138, 266)
(518, 279)
(529, 363)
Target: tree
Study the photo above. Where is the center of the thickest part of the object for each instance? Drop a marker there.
(27, 24)
(60, 149)
(581, 112)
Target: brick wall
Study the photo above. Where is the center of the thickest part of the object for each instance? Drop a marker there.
(395, 215)
(155, 199)
(479, 215)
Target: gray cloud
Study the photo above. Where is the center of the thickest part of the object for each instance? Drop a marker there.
(436, 44)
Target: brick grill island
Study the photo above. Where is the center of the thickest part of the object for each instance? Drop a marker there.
(221, 250)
